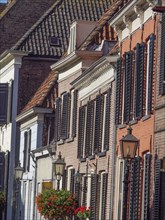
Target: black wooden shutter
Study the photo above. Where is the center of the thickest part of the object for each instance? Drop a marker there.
(72, 180)
(139, 81)
(150, 73)
(64, 119)
(94, 198)
(3, 103)
(162, 196)
(104, 195)
(98, 123)
(84, 195)
(118, 91)
(127, 85)
(134, 188)
(25, 150)
(2, 170)
(107, 120)
(64, 180)
(125, 190)
(78, 194)
(74, 122)
(81, 131)
(156, 199)
(162, 58)
(146, 196)
(57, 129)
(89, 128)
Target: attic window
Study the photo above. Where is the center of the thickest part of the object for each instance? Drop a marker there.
(72, 40)
(54, 41)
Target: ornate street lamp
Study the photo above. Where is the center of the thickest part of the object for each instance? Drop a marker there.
(58, 167)
(128, 145)
(18, 176)
(18, 172)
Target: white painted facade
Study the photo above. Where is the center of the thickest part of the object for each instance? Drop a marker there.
(33, 122)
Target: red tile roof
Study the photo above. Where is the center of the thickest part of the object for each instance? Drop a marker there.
(41, 98)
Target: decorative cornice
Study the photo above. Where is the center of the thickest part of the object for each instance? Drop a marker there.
(140, 13)
(118, 30)
(128, 23)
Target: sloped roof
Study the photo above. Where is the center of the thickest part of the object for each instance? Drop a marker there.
(18, 17)
(56, 23)
(41, 94)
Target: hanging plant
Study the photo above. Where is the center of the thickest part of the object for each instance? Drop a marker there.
(55, 205)
(82, 212)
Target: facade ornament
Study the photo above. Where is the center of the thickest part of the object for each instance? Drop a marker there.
(151, 3)
(140, 14)
(118, 30)
(128, 23)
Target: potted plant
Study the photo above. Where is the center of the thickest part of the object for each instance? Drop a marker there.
(56, 205)
(82, 212)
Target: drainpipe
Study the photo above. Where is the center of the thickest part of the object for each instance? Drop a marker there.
(113, 161)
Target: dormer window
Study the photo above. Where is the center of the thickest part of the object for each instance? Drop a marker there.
(72, 42)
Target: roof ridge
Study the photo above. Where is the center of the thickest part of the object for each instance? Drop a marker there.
(7, 9)
(36, 24)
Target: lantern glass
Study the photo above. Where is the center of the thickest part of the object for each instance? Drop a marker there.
(128, 145)
(129, 149)
(19, 172)
(59, 165)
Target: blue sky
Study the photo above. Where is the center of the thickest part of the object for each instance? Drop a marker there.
(3, 1)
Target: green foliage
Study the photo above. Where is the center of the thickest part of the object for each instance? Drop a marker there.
(82, 212)
(54, 204)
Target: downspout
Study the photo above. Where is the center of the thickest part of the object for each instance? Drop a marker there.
(112, 188)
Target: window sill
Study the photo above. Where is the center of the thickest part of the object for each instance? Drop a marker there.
(60, 142)
(133, 122)
(82, 159)
(122, 126)
(69, 140)
(146, 117)
(91, 157)
(102, 154)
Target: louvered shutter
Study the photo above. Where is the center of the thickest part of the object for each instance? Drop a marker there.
(64, 119)
(134, 189)
(162, 58)
(94, 198)
(64, 179)
(162, 196)
(146, 186)
(139, 81)
(118, 91)
(125, 190)
(150, 73)
(107, 120)
(78, 194)
(57, 129)
(127, 85)
(104, 196)
(25, 150)
(156, 200)
(84, 195)
(2, 170)
(81, 131)
(89, 128)
(72, 180)
(3, 103)
(74, 122)
(98, 123)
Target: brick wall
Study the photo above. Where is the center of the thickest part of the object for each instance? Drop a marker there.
(19, 19)
(32, 74)
(159, 141)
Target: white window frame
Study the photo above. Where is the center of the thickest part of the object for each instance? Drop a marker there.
(69, 177)
(93, 135)
(85, 126)
(147, 76)
(101, 193)
(71, 112)
(104, 119)
(72, 40)
(119, 182)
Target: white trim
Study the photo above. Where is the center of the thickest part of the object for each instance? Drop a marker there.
(101, 194)
(85, 123)
(104, 118)
(147, 76)
(71, 112)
